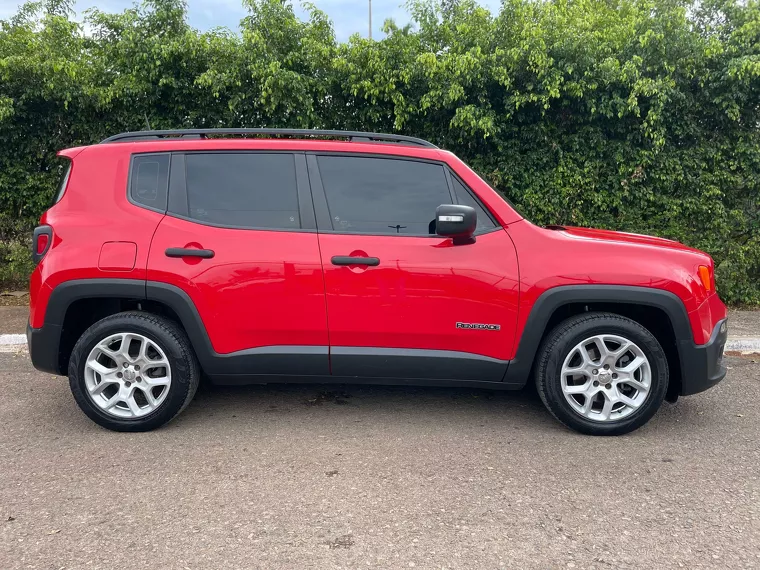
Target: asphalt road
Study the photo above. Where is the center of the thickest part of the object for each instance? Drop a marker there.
(349, 477)
(743, 323)
(13, 319)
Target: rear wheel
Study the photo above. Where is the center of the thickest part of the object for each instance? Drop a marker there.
(602, 374)
(133, 371)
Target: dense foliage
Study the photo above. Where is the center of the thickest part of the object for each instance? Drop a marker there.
(637, 115)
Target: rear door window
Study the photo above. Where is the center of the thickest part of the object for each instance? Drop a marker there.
(242, 190)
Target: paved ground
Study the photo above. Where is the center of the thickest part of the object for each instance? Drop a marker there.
(331, 477)
(744, 323)
(13, 320)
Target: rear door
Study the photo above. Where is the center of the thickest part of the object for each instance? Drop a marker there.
(403, 302)
(239, 239)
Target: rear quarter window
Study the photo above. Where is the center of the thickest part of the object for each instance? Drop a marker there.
(64, 181)
(149, 180)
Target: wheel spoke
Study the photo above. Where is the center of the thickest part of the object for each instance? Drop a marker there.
(621, 350)
(104, 383)
(112, 354)
(587, 360)
(133, 407)
(149, 396)
(115, 399)
(635, 384)
(160, 381)
(630, 402)
(100, 368)
(126, 341)
(607, 407)
(601, 348)
(155, 364)
(143, 354)
(581, 368)
(588, 404)
(633, 365)
(579, 389)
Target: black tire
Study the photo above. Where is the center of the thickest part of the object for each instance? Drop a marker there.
(185, 371)
(564, 337)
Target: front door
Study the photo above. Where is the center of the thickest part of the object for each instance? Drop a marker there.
(240, 240)
(403, 302)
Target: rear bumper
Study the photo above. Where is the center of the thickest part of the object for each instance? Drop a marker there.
(43, 347)
(702, 366)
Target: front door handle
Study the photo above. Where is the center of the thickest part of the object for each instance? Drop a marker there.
(187, 252)
(349, 260)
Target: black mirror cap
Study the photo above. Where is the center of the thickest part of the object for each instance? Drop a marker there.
(456, 221)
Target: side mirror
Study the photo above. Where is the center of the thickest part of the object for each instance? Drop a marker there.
(456, 221)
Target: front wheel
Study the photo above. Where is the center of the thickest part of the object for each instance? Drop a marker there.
(133, 371)
(601, 374)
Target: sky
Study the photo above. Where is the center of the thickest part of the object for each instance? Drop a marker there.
(348, 16)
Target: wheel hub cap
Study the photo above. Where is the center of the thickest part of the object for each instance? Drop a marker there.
(606, 378)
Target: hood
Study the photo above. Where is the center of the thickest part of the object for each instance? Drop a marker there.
(609, 235)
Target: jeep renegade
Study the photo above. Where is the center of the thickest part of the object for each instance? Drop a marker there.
(332, 256)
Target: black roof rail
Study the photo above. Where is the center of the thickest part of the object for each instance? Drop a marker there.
(354, 136)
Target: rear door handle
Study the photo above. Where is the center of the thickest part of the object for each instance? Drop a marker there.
(349, 260)
(187, 252)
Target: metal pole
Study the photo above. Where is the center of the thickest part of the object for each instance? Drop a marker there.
(370, 19)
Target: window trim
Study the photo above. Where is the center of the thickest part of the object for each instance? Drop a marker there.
(129, 181)
(321, 207)
(303, 192)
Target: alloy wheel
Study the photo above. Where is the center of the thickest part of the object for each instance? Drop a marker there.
(606, 378)
(127, 375)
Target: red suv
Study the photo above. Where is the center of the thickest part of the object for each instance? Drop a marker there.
(372, 259)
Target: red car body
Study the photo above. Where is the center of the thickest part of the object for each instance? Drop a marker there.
(267, 293)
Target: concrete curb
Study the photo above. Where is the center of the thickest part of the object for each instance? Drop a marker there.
(743, 345)
(11, 339)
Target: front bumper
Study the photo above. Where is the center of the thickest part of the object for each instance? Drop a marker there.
(702, 366)
(43, 347)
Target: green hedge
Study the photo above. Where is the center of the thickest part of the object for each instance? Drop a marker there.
(633, 115)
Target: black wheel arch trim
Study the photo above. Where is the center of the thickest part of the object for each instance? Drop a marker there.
(44, 342)
(67, 292)
(548, 302)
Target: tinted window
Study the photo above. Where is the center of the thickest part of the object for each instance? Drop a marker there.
(245, 190)
(63, 183)
(378, 195)
(150, 178)
(466, 199)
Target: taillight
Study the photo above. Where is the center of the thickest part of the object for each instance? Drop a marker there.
(43, 237)
(705, 275)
